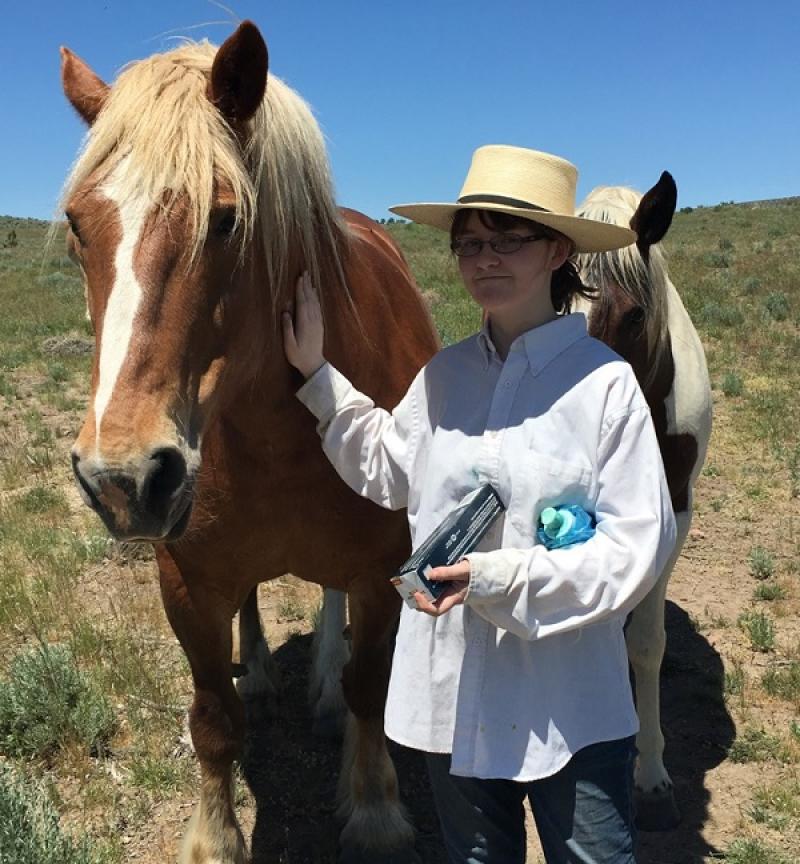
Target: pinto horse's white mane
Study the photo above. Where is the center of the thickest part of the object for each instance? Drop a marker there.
(160, 130)
(645, 282)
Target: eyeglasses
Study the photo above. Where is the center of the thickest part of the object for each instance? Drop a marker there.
(503, 244)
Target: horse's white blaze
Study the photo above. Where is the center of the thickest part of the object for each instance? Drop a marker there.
(123, 302)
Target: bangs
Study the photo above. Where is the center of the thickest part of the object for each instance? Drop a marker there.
(496, 220)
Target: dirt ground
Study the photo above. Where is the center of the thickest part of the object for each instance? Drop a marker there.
(288, 778)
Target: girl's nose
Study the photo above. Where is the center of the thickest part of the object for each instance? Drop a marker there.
(487, 257)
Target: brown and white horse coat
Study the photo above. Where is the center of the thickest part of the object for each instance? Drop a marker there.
(639, 313)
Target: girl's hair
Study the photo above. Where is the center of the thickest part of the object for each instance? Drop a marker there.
(566, 282)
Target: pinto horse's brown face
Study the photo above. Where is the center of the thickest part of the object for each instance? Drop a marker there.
(159, 310)
(620, 322)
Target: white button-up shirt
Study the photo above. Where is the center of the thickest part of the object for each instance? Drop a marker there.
(533, 666)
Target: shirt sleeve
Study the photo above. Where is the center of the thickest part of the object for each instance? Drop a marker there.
(536, 592)
(368, 446)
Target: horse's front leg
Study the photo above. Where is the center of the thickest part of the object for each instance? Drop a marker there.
(645, 636)
(376, 828)
(202, 623)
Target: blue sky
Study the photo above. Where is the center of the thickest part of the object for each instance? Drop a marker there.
(405, 91)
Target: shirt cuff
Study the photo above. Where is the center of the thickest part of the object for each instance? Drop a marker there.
(490, 575)
(322, 392)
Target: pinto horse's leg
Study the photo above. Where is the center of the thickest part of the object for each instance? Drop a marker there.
(330, 654)
(202, 623)
(376, 828)
(645, 636)
(261, 682)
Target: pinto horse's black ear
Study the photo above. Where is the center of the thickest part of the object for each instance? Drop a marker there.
(654, 214)
(86, 92)
(239, 74)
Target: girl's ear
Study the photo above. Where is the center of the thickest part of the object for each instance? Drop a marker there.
(560, 250)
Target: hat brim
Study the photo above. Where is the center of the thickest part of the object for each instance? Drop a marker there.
(588, 235)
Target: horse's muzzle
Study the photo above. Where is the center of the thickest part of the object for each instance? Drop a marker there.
(147, 500)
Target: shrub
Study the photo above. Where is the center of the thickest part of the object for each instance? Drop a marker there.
(732, 384)
(717, 314)
(769, 591)
(751, 285)
(777, 306)
(29, 827)
(47, 702)
(760, 629)
(761, 564)
(716, 259)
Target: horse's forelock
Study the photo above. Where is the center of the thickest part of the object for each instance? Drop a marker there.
(161, 137)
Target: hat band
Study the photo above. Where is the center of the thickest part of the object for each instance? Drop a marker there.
(502, 200)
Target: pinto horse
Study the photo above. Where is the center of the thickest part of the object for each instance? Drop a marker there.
(639, 313)
(201, 194)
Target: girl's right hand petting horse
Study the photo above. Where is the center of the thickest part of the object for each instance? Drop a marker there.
(515, 683)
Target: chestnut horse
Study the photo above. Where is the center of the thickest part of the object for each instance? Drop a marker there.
(201, 194)
(639, 313)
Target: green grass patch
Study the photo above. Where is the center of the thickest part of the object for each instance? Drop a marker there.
(783, 682)
(756, 745)
(735, 679)
(160, 776)
(753, 852)
(778, 805)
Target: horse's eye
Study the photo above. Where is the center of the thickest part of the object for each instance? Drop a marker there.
(73, 226)
(226, 223)
(636, 316)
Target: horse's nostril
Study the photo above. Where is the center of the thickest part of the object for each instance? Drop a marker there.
(167, 474)
(88, 491)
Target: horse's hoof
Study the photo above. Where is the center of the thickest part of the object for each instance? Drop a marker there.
(657, 810)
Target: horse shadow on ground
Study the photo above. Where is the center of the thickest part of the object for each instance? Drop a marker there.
(293, 775)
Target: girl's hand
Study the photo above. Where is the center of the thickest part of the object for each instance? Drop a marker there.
(303, 338)
(457, 575)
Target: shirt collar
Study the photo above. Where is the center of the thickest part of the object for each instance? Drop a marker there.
(542, 344)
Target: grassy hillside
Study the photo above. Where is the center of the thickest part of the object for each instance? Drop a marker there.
(93, 686)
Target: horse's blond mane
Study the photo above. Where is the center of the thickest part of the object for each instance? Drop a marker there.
(645, 282)
(163, 137)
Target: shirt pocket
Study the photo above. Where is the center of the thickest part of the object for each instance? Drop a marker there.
(539, 481)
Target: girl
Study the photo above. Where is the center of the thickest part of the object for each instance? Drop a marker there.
(514, 682)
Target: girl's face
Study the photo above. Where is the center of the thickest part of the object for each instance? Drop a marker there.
(512, 288)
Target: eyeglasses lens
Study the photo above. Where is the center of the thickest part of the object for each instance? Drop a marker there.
(503, 244)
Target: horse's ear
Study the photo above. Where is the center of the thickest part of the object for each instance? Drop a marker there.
(86, 92)
(654, 214)
(239, 74)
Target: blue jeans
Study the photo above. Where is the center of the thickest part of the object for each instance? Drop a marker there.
(584, 813)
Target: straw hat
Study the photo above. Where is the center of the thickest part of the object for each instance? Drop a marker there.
(528, 184)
